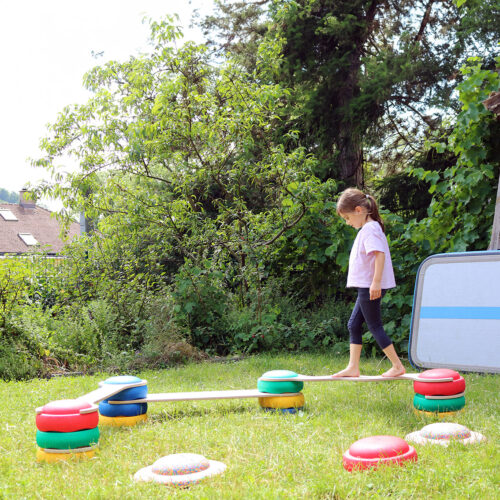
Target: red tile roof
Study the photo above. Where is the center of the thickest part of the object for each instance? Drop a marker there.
(36, 221)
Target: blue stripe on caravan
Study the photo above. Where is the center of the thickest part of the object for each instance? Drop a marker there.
(460, 312)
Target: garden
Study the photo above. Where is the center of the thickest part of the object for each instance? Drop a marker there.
(268, 455)
(208, 177)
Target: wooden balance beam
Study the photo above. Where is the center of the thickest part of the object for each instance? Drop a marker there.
(361, 378)
(105, 391)
(204, 396)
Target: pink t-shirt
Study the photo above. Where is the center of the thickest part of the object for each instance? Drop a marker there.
(370, 238)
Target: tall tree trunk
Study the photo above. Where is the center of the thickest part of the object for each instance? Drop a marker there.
(349, 143)
(350, 155)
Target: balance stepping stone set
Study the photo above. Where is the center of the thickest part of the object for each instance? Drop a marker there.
(441, 398)
(66, 429)
(69, 428)
(284, 404)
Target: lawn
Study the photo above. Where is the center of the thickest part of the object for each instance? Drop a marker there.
(267, 455)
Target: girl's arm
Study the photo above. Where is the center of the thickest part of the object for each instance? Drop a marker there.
(375, 287)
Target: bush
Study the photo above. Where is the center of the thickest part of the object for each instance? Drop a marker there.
(16, 362)
(200, 304)
(14, 285)
(284, 325)
(165, 342)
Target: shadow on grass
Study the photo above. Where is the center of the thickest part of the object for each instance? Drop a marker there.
(176, 414)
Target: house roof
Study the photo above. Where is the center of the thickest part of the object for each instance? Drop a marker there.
(35, 221)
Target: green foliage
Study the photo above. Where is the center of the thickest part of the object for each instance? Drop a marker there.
(16, 362)
(14, 284)
(406, 195)
(461, 212)
(282, 323)
(200, 305)
(165, 342)
(210, 232)
(368, 77)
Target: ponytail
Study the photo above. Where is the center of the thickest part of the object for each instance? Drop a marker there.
(352, 198)
(373, 211)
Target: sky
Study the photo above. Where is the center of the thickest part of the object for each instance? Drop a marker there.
(46, 48)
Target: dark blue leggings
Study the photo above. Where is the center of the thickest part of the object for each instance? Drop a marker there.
(366, 310)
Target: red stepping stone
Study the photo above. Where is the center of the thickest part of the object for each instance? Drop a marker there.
(67, 415)
(456, 386)
(375, 450)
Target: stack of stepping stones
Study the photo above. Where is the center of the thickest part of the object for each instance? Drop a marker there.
(441, 398)
(284, 404)
(126, 408)
(66, 429)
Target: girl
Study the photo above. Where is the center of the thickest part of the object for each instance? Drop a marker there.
(370, 271)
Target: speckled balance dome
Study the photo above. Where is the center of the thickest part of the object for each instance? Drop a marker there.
(444, 432)
(180, 469)
(282, 386)
(180, 464)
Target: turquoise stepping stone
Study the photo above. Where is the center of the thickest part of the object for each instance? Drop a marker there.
(279, 387)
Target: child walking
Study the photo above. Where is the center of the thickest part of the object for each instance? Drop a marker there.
(370, 271)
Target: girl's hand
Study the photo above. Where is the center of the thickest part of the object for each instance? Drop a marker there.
(375, 291)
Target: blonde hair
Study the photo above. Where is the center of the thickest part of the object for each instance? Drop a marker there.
(352, 198)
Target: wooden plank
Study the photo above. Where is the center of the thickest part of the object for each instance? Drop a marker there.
(361, 378)
(107, 390)
(204, 396)
(452, 396)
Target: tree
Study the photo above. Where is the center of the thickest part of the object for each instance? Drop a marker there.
(237, 28)
(168, 158)
(368, 77)
(8, 196)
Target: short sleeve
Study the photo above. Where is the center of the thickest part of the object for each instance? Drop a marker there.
(375, 240)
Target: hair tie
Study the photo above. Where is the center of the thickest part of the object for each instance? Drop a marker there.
(367, 197)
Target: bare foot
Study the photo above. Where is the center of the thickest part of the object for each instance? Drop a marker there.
(347, 372)
(395, 371)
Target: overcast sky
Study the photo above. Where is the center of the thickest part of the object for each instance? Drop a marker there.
(46, 48)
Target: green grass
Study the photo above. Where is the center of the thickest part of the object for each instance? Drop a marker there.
(268, 455)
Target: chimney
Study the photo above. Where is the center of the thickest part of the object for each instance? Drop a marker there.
(23, 201)
(84, 224)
